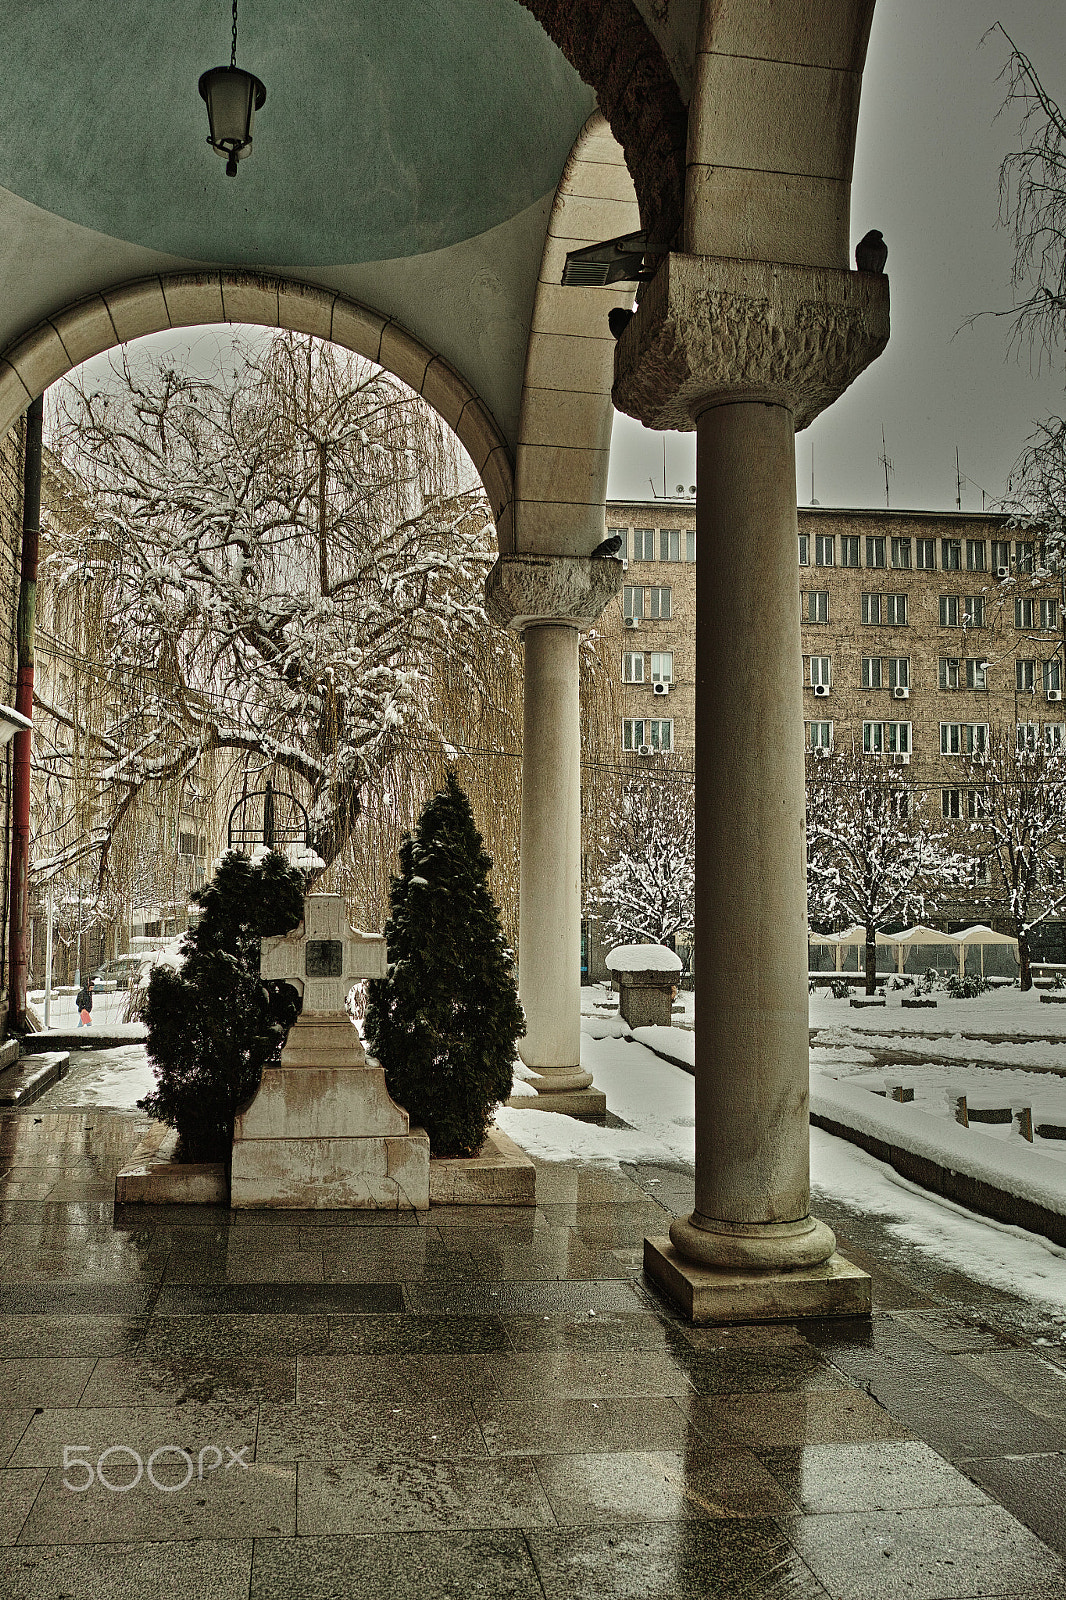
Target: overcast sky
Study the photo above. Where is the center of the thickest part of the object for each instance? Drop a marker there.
(926, 174)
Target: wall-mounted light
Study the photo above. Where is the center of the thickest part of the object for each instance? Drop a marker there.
(233, 97)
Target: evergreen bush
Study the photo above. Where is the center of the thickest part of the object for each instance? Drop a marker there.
(444, 1022)
(213, 1024)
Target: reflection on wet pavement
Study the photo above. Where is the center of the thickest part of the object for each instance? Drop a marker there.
(485, 1401)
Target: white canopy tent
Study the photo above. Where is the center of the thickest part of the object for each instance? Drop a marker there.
(916, 949)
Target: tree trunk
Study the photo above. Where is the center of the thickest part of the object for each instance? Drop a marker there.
(1025, 971)
(871, 960)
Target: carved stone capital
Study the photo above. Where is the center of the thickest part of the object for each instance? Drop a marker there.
(522, 590)
(710, 330)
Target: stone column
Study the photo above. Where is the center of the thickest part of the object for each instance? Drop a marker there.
(746, 352)
(549, 599)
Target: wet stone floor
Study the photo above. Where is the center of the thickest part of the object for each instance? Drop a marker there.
(485, 1402)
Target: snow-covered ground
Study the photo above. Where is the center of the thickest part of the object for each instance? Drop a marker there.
(107, 1007)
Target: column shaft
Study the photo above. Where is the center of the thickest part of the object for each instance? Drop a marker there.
(549, 955)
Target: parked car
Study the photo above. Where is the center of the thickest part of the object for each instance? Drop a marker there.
(120, 972)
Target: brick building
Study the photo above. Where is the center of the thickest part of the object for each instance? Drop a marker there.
(922, 631)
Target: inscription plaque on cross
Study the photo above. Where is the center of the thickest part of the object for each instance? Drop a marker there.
(323, 957)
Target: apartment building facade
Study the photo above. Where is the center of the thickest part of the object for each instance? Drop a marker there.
(921, 633)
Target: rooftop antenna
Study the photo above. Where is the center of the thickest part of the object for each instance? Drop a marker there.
(958, 482)
(814, 502)
(883, 458)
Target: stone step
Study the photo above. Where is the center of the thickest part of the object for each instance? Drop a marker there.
(28, 1079)
(9, 1053)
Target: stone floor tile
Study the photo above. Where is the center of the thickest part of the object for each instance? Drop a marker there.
(653, 1485)
(277, 1299)
(952, 1334)
(563, 1297)
(582, 1374)
(764, 1336)
(693, 1559)
(617, 1330)
(248, 1337)
(785, 1369)
(241, 1503)
(560, 1182)
(880, 1475)
(397, 1267)
(553, 1253)
(13, 1425)
(1034, 1382)
(94, 1262)
(191, 1426)
(337, 1433)
(324, 1380)
(75, 1299)
(205, 1570)
(44, 1380)
(421, 1566)
(386, 1492)
(922, 1554)
(545, 1427)
(18, 1491)
(601, 1223)
(69, 1335)
(417, 1335)
(519, 1223)
(150, 1216)
(1033, 1488)
(777, 1421)
(72, 1211)
(165, 1379)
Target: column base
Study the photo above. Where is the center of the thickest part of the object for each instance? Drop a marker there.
(834, 1288)
(584, 1103)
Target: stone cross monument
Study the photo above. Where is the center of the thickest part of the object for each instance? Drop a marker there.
(322, 1133)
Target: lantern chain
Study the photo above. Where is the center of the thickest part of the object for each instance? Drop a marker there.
(233, 52)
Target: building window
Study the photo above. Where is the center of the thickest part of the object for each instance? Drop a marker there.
(975, 803)
(950, 555)
(690, 545)
(949, 610)
(973, 611)
(662, 666)
(1056, 871)
(875, 550)
(824, 547)
(901, 804)
(643, 544)
(975, 555)
(805, 550)
(980, 874)
(1023, 554)
(849, 550)
(893, 738)
(949, 672)
(871, 672)
(1000, 557)
(1024, 613)
(976, 674)
(925, 554)
(632, 666)
(1028, 736)
(1049, 615)
(632, 600)
(821, 735)
(657, 603)
(1053, 676)
(871, 608)
(191, 844)
(1041, 614)
(901, 553)
(873, 738)
(647, 733)
(669, 544)
(963, 738)
(899, 672)
(623, 534)
(951, 804)
(814, 605)
(896, 610)
(1024, 676)
(821, 671)
(1053, 736)
(646, 601)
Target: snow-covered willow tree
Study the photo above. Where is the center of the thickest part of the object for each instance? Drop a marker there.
(284, 573)
(642, 875)
(1017, 825)
(876, 851)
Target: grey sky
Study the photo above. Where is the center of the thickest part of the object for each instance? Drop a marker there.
(926, 174)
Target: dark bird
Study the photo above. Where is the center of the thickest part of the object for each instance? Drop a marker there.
(609, 547)
(871, 252)
(618, 320)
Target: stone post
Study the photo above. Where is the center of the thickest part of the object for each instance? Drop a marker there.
(745, 353)
(549, 599)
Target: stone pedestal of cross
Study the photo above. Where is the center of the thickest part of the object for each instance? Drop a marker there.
(323, 1133)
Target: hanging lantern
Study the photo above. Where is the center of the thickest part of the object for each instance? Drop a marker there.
(233, 97)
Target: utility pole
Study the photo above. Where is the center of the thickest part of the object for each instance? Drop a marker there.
(20, 787)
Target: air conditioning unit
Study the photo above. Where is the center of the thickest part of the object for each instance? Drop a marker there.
(660, 688)
(1054, 694)
(900, 693)
(644, 750)
(1002, 572)
(625, 563)
(821, 750)
(632, 622)
(900, 760)
(821, 688)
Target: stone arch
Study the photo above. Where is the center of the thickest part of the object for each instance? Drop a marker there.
(192, 299)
